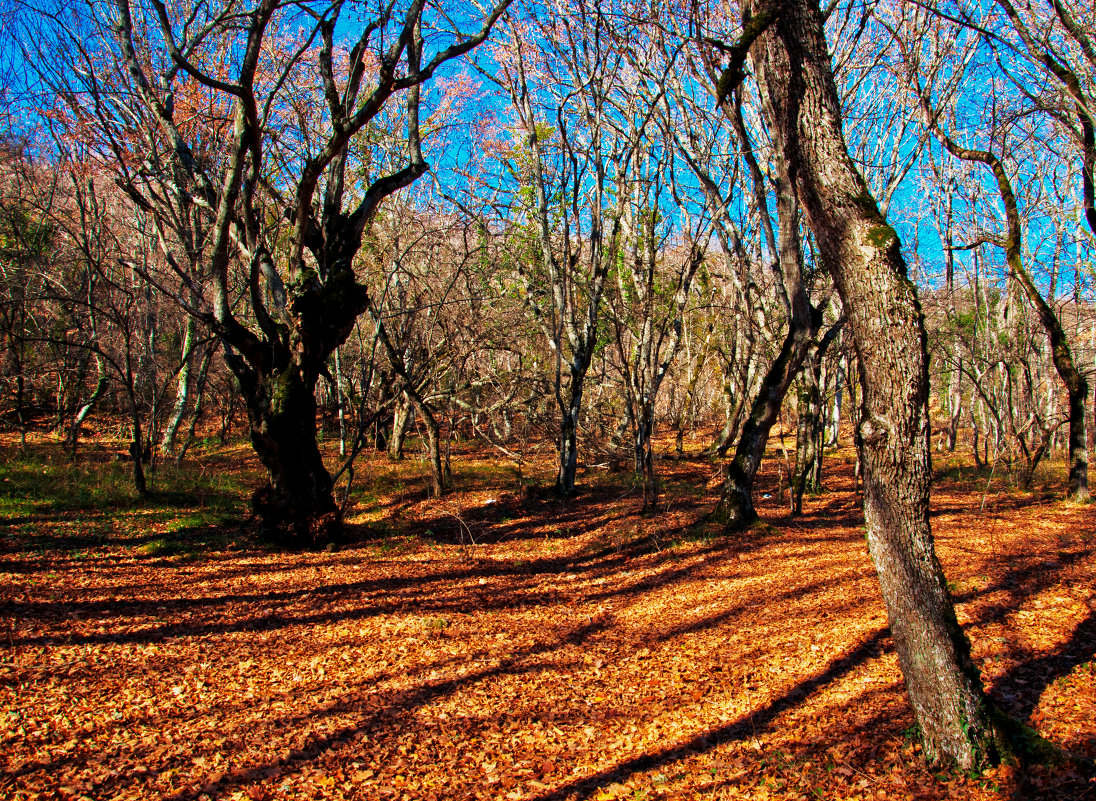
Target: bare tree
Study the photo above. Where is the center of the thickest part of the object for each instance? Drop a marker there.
(261, 193)
(1071, 376)
(863, 254)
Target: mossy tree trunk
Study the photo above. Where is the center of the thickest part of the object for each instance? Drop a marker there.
(863, 254)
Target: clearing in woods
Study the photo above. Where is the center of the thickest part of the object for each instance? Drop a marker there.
(499, 644)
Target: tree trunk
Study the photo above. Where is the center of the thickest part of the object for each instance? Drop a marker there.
(433, 446)
(955, 401)
(864, 256)
(808, 441)
(137, 445)
(199, 400)
(298, 503)
(736, 508)
(87, 406)
(644, 454)
(182, 396)
(402, 417)
(568, 442)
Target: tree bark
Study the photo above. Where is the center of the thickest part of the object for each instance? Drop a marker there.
(297, 504)
(182, 397)
(863, 254)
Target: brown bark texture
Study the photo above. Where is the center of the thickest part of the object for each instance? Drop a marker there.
(863, 254)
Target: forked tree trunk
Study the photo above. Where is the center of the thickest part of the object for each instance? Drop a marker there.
(863, 253)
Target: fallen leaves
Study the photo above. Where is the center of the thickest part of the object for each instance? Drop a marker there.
(531, 667)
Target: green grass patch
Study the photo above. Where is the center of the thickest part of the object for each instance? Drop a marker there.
(50, 501)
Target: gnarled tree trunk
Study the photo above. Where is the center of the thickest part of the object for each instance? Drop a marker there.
(298, 500)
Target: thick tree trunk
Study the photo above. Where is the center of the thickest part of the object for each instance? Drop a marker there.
(863, 254)
(297, 504)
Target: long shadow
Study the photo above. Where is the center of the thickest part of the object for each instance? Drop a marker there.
(404, 702)
(1020, 689)
(392, 592)
(748, 725)
(508, 518)
(189, 540)
(1023, 580)
(1025, 683)
(396, 594)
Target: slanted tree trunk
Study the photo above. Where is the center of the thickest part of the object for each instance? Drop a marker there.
(199, 399)
(736, 507)
(864, 256)
(101, 383)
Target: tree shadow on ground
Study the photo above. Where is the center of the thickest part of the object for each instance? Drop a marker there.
(506, 586)
(749, 725)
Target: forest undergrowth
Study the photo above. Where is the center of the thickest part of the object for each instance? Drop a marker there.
(501, 644)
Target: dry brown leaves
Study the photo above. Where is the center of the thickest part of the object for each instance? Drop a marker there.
(575, 651)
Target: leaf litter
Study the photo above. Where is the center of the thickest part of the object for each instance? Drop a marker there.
(577, 651)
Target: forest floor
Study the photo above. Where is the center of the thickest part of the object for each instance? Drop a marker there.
(499, 644)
